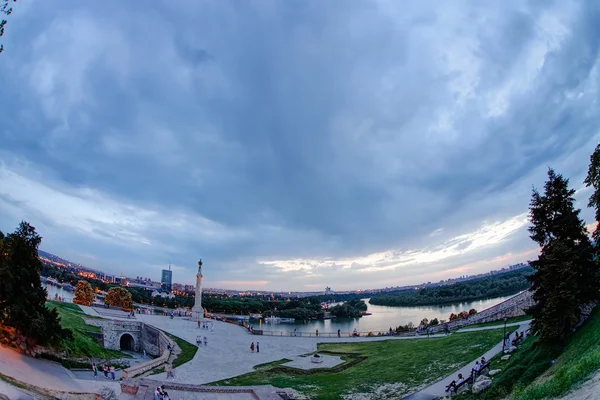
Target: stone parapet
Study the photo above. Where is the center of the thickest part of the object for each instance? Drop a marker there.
(513, 307)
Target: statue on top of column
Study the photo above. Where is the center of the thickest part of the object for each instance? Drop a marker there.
(200, 267)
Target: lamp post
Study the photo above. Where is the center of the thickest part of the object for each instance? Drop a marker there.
(504, 336)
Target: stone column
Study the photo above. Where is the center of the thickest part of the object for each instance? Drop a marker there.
(197, 310)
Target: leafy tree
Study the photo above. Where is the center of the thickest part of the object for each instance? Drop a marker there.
(565, 274)
(84, 293)
(6, 10)
(472, 311)
(119, 297)
(22, 297)
(593, 180)
(434, 322)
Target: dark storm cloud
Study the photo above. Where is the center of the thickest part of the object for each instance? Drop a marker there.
(288, 140)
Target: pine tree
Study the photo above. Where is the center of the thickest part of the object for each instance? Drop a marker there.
(564, 272)
(22, 297)
(593, 180)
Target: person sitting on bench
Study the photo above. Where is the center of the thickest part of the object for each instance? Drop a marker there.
(476, 368)
(455, 383)
(483, 361)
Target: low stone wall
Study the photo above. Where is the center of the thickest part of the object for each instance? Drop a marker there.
(146, 366)
(146, 389)
(513, 307)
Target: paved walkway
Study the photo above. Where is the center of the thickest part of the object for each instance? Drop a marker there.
(228, 352)
(13, 392)
(46, 374)
(438, 389)
(485, 328)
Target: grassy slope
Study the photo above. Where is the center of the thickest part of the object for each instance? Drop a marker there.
(82, 345)
(188, 350)
(578, 362)
(530, 375)
(411, 363)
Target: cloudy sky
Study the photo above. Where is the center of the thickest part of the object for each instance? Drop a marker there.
(293, 144)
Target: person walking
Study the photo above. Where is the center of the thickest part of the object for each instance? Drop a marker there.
(317, 332)
(95, 369)
(252, 347)
(339, 333)
(205, 342)
(112, 372)
(169, 369)
(257, 347)
(105, 370)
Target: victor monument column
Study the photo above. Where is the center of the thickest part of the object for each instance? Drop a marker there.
(197, 310)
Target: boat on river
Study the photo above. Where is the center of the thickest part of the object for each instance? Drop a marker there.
(278, 320)
(255, 316)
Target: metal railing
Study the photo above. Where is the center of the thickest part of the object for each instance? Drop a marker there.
(331, 334)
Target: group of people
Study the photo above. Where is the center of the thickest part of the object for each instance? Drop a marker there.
(252, 347)
(206, 325)
(106, 369)
(200, 340)
(455, 384)
(161, 394)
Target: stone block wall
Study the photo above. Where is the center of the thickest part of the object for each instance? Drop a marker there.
(513, 307)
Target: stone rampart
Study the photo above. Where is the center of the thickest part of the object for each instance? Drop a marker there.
(145, 337)
(513, 307)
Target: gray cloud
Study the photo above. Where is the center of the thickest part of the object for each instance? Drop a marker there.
(279, 131)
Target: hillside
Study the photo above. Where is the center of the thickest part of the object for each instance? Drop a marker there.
(490, 286)
(537, 372)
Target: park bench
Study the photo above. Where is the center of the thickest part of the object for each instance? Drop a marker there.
(464, 384)
(483, 367)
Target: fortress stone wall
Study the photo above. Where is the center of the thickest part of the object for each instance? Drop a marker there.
(145, 337)
(513, 307)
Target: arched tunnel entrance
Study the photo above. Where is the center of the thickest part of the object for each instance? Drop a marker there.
(126, 342)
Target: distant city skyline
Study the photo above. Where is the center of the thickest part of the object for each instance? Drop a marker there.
(166, 284)
(293, 145)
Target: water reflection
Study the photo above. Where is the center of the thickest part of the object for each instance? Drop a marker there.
(383, 317)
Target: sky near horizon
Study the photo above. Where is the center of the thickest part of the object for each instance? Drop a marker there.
(293, 144)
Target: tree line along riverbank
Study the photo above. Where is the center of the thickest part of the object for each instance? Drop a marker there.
(491, 286)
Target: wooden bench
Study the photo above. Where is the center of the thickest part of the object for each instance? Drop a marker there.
(455, 389)
(482, 368)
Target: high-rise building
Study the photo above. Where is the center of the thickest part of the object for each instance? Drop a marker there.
(166, 280)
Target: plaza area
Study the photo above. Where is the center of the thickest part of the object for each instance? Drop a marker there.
(228, 353)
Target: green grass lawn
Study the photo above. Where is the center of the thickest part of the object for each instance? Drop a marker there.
(188, 350)
(530, 374)
(405, 364)
(579, 360)
(500, 323)
(83, 345)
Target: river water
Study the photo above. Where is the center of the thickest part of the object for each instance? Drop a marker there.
(58, 291)
(382, 317)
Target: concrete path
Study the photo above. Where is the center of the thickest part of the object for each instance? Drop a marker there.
(485, 328)
(438, 389)
(46, 374)
(89, 311)
(13, 393)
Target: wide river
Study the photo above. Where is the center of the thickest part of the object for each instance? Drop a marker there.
(382, 317)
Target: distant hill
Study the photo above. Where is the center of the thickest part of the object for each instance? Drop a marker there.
(54, 258)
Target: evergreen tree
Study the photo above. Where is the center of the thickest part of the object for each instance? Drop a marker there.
(593, 180)
(565, 272)
(6, 10)
(22, 297)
